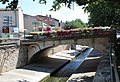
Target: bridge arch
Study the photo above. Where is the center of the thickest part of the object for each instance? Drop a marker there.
(47, 52)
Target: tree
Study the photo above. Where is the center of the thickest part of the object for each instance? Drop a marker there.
(57, 3)
(11, 4)
(75, 24)
(103, 13)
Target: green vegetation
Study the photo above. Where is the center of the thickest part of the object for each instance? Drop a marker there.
(55, 79)
(103, 13)
(75, 24)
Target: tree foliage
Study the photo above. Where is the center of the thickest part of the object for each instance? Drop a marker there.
(11, 4)
(56, 3)
(75, 24)
(103, 13)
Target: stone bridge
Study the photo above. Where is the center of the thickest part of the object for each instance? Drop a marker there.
(55, 45)
(20, 52)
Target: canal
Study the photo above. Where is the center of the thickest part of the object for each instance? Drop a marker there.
(81, 64)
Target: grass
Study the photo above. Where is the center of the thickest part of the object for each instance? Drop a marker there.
(55, 79)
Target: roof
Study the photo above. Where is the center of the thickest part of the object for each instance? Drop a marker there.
(46, 16)
(29, 15)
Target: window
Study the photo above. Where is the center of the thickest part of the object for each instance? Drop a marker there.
(5, 30)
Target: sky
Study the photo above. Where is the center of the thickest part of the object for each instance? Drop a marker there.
(64, 14)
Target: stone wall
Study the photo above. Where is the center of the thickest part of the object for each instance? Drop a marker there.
(22, 58)
(8, 59)
(12, 55)
(8, 56)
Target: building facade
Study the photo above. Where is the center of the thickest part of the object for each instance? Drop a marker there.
(39, 22)
(14, 23)
(31, 23)
(48, 20)
(11, 23)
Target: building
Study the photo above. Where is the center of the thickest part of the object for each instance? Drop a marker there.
(14, 23)
(39, 22)
(48, 20)
(11, 23)
(31, 23)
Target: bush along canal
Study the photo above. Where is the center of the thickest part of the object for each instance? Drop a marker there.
(64, 73)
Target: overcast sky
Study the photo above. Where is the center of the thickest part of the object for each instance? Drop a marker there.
(64, 14)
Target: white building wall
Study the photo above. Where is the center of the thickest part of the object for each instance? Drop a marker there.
(15, 21)
(21, 20)
(12, 22)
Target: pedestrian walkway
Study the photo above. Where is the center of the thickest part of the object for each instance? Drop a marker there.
(40, 70)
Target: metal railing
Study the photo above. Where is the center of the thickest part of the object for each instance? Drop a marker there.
(113, 49)
(111, 64)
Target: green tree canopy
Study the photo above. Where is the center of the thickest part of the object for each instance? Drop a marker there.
(75, 24)
(57, 3)
(103, 13)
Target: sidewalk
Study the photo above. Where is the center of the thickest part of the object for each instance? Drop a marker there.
(41, 70)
